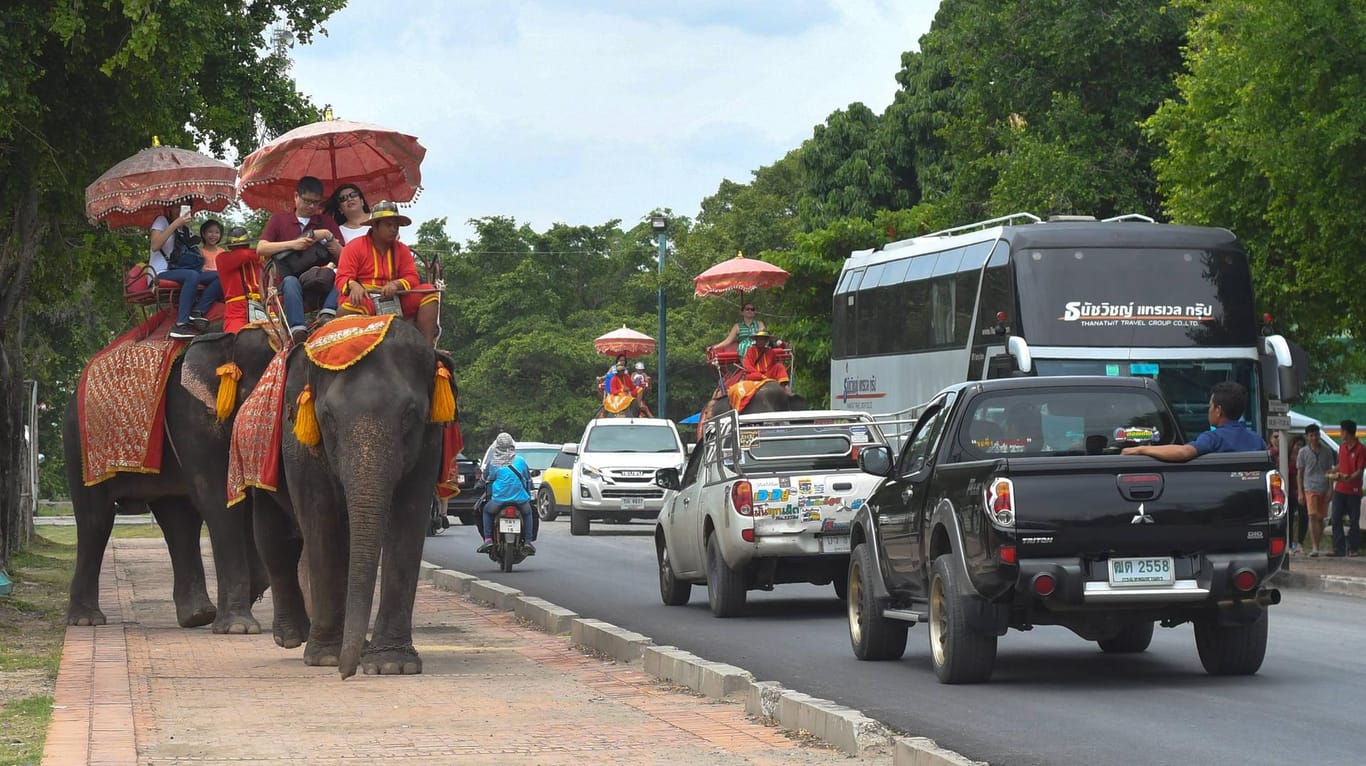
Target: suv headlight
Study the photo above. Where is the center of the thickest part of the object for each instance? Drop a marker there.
(590, 472)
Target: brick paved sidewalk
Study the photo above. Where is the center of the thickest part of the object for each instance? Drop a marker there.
(144, 691)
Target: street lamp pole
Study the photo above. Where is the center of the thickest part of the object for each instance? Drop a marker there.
(660, 224)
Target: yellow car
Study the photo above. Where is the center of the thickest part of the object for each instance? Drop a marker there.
(552, 497)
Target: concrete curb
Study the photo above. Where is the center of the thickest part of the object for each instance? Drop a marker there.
(1341, 585)
(843, 728)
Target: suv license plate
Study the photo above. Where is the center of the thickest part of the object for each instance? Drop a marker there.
(835, 544)
(632, 503)
(510, 525)
(1148, 570)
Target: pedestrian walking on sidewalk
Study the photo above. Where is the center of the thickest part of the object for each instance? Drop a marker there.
(1313, 463)
(1347, 491)
(1298, 520)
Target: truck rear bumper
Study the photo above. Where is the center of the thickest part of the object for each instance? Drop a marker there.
(1200, 577)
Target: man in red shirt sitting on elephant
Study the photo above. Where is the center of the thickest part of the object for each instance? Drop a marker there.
(378, 262)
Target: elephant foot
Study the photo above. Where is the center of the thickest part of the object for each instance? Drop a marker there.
(288, 634)
(391, 660)
(322, 654)
(196, 614)
(237, 625)
(84, 615)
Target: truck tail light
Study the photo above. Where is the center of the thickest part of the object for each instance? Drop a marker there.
(1277, 546)
(1044, 584)
(1000, 502)
(1245, 580)
(742, 498)
(1275, 490)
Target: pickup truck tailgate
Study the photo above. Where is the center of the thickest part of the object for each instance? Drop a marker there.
(816, 508)
(1132, 504)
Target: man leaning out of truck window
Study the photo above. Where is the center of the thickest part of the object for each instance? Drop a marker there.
(1227, 403)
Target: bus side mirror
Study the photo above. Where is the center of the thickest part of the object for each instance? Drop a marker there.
(1289, 382)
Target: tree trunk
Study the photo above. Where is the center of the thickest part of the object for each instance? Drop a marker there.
(18, 246)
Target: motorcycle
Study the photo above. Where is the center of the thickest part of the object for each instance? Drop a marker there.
(508, 538)
(437, 520)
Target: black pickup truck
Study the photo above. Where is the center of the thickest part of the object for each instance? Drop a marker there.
(1011, 506)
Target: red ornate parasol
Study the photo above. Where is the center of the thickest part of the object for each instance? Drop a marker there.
(384, 163)
(142, 187)
(738, 274)
(624, 341)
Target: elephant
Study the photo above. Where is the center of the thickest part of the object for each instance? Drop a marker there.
(771, 397)
(189, 491)
(362, 492)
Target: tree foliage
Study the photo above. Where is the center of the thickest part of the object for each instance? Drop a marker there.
(1267, 137)
(82, 86)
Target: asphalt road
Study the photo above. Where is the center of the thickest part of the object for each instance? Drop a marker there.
(1054, 699)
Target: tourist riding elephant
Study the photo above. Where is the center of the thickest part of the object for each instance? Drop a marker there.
(190, 489)
(771, 397)
(358, 494)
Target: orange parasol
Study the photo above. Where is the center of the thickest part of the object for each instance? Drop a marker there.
(624, 341)
(738, 274)
(384, 163)
(138, 189)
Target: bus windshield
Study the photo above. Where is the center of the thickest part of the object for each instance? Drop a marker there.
(1134, 297)
(1185, 383)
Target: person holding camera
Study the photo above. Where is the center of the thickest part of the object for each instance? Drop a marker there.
(175, 256)
(298, 241)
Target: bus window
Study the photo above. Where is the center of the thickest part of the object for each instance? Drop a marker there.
(943, 316)
(948, 262)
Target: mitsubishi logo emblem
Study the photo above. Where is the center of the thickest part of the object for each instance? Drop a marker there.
(1141, 517)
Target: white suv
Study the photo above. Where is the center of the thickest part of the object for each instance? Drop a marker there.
(614, 477)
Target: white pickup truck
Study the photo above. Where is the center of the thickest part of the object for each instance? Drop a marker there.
(764, 499)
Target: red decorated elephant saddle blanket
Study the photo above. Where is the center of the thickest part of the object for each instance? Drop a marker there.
(346, 340)
(254, 452)
(121, 401)
(452, 441)
(741, 392)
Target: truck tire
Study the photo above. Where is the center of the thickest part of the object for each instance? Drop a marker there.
(672, 591)
(872, 636)
(578, 521)
(725, 587)
(545, 504)
(1131, 639)
(961, 654)
(1231, 650)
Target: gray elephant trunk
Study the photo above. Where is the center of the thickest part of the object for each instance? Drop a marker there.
(368, 515)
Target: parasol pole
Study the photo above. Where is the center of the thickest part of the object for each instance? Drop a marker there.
(660, 224)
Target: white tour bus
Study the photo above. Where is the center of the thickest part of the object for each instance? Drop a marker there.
(1069, 296)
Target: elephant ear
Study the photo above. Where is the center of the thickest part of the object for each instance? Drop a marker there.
(199, 371)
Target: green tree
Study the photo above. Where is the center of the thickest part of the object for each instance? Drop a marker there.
(82, 88)
(1266, 138)
(1038, 104)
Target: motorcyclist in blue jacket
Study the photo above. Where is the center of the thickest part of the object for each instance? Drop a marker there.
(509, 482)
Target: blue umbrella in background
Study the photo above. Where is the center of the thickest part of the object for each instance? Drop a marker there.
(691, 419)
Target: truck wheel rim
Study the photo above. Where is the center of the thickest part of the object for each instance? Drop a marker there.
(854, 603)
(939, 621)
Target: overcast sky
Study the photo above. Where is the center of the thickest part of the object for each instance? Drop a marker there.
(582, 111)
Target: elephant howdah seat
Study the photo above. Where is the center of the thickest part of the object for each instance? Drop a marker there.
(729, 370)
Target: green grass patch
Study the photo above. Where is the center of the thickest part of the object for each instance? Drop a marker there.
(24, 723)
(67, 535)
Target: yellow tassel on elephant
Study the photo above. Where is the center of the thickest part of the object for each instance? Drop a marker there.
(306, 420)
(228, 375)
(443, 397)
